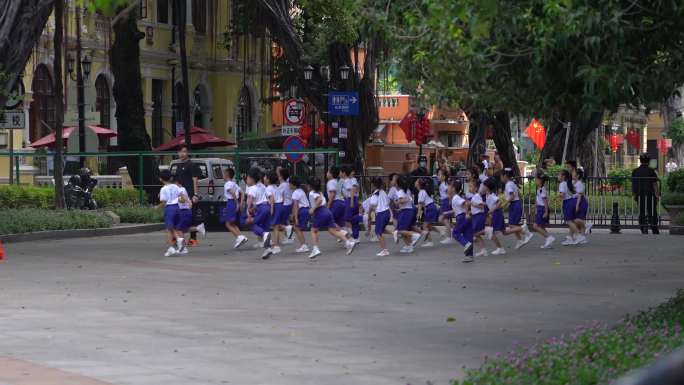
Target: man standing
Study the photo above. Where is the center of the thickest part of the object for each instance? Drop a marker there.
(189, 173)
(646, 192)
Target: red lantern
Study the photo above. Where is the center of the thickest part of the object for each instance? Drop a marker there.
(633, 139)
(613, 142)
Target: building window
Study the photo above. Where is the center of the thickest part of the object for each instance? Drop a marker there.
(142, 9)
(103, 101)
(244, 120)
(42, 115)
(163, 11)
(199, 15)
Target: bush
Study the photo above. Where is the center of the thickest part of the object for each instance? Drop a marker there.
(30, 197)
(673, 199)
(675, 181)
(591, 355)
(620, 176)
(16, 221)
(679, 221)
(139, 214)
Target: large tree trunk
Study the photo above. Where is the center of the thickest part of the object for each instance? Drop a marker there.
(503, 141)
(21, 24)
(130, 113)
(476, 137)
(59, 103)
(582, 127)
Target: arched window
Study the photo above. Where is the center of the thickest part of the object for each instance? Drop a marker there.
(42, 114)
(103, 101)
(244, 120)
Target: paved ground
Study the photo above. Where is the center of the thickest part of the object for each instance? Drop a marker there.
(114, 311)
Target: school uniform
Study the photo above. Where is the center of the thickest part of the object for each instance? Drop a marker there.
(351, 213)
(380, 201)
(492, 201)
(481, 190)
(515, 209)
(169, 193)
(322, 217)
(392, 195)
(286, 211)
(463, 229)
(337, 206)
(444, 203)
(539, 218)
(184, 216)
(231, 192)
(568, 201)
(273, 191)
(430, 212)
(581, 211)
(302, 213)
(477, 214)
(406, 211)
(262, 209)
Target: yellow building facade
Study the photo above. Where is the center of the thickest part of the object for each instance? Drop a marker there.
(229, 75)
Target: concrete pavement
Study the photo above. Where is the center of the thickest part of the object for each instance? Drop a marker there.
(112, 310)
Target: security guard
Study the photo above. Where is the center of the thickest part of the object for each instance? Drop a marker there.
(646, 192)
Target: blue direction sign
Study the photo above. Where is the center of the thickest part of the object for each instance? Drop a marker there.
(343, 103)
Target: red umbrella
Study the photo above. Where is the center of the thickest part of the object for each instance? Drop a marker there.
(103, 132)
(49, 140)
(200, 138)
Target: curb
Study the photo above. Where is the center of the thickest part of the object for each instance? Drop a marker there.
(677, 230)
(81, 233)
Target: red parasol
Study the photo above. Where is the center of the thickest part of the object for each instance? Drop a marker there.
(200, 138)
(49, 140)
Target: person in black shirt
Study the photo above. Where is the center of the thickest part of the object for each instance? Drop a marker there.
(189, 173)
(646, 192)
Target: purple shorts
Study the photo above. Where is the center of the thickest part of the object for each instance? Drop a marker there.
(280, 215)
(381, 221)
(229, 213)
(323, 219)
(539, 219)
(498, 220)
(569, 209)
(515, 212)
(444, 206)
(478, 221)
(170, 216)
(183, 220)
(431, 214)
(405, 219)
(338, 208)
(303, 218)
(351, 208)
(581, 213)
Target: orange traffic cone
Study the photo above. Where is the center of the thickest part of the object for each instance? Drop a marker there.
(2, 251)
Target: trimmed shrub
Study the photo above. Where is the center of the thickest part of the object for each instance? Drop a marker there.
(679, 221)
(675, 181)
(139, 214)
(620, 177)
(114, 197)
(673, 199)
(16, 221)
(26, 197)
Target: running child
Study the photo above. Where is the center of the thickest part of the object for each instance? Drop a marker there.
(567, 192)
(284, 220)
(494, 215)
(463, 230)
(168, 200)
(515, 210)
(322, 218)
(183, 219)
(428, 210)
(300, 206)
(230, 215)
(405, 217)
(379, 204)
(445, 206)
(477, 217)
(541, 218)
(393, 182)
(275, 200)
(350, 190)
(336, 201)
(581, 207)
(259, 211)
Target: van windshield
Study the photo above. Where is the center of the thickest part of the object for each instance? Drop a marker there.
(202, 167)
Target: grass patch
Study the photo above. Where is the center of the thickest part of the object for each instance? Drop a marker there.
(591, 355)
(17, 221)
(139, 214)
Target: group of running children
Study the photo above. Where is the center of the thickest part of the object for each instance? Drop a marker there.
(278, 207)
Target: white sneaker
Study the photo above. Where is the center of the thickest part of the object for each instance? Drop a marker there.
(395, 235)
(467, 259)
(489, 232)
(287, 241)
(499, 251)
(267, 253)
(447, 241)
(180, 243)
(581, 240)
(288, 231)
(467, 246)
(356, 240)
(383, 253)
(239, 241)
(587, 230)
(427, 244)
(276, 249)
(171, 251)
(184, 250)
(314, 253)
(350, 244)
(482, 253)
(568, 241)
(415, 238)
(525, 240)
(266, 240)
(548, 242)
(518, 244)
(302, 249)
(201, 229)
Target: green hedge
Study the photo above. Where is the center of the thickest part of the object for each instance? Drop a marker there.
(16, 221)
(24, 197)
(673, 198)
(679, 221)
(139, 214)
(675, 181)
(591, 355)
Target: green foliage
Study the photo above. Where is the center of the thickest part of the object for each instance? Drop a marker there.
(675, 181)
(106, 7)
(673, 199)
(676, 131)
(596, 354)
(139, 214)
(21, 197)
(679, 221)
(620, 177)
(554, 171)
(16, 221)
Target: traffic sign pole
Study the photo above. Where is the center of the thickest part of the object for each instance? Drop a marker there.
(11, 157)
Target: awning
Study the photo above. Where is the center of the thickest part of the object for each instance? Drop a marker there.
(199, 138)
(49, 140)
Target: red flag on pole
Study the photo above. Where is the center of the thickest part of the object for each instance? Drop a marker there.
(633, 138)
(406, 125)
(537, 133)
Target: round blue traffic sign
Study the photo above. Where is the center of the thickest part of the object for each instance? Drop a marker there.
(294, 145)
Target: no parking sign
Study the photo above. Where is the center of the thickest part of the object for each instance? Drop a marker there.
(294, 144)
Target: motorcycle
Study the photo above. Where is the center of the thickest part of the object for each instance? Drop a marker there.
(78, 193)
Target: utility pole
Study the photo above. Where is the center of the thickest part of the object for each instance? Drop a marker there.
(185, 98)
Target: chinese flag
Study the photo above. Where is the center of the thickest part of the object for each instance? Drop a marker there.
(537, 133)
(406, 125)
(632, 138)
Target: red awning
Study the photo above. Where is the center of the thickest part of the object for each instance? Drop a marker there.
(49, 140)
(200, 138)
